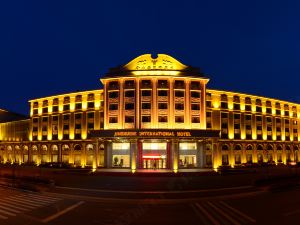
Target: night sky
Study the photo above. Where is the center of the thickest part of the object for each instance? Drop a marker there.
(53, 47)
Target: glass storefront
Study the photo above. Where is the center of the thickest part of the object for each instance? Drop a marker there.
(154, 155)
(187, 154)
(121, 154)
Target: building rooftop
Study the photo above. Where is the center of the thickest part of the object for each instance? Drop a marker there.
(6, 116)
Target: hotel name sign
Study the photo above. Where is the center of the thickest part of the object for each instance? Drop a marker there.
(151, 133)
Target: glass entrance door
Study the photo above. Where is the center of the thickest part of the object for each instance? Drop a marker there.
(154, 163)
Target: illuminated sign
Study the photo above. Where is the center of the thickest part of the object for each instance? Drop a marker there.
(148, 133)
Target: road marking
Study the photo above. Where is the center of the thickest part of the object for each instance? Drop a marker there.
(60, 213)
(238, 212)
(210, 217)
(20, 201)
(233, 221)
(45, 198)
(7, 213)
(9, 209)
(23, 201)
(10, 204)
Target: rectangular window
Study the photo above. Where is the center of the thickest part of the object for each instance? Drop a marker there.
(146, 105)
(179, 106)
(195, 119)
(179, 93)
(163, 119)
(146, 93)
(155, 146)
(129, 106)
(78, 106)
(129, 119)
(66, 107)
(113, 119)
(179, 119)
(113, 94)
(146, 119)
(113, 106)
(188, 146)
(129, 94)
(163, 105)
(162, 93)
(195, 106)
(121, 146)
(195, 94)
(91, 105)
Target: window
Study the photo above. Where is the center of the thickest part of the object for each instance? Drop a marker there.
(66, 107)
(45, 110)
(195, 85)
(77, 126)
(113, 106)
(129, 119)
(162, 106)
(121, 146)
(195, 94)
(155, 146)
(224, 105)
(146, 93)
(146, 83)
(90, 126)
(162, 84)
(179, 119)
(55, 118)
(146, 119)
(78, 106)
(129, 106)
(78, 116)
(188, 146)
(129, 94)
(35, 112)
(179, 93)
(146, 105)
(91, 105)
(66, 127)
(162, 93)
(195, 106)
(113, 119)
(113, 94)
(55, 108)
(269, 110)
(179, 84)
(45, 119)
(66, 117)
(179, 106)
(195, 119)
(35, 120)
(129, 84)
(90, 115)
(162, 119)
(113, 85)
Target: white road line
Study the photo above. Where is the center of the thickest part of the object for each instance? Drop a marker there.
(209, 216)
(25, 201)
(44, 198)
(9, 209)
(36, 200)
(54, 216)
(21, 203)
(238, 212)
(3, 217)
(233, 221)
(28, 200)
(11, 204)
(7, 213)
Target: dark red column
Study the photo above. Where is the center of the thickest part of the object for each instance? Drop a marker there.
(140, 154)
(168, 155)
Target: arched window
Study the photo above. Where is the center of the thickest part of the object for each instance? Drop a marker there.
(9, 148)
(279, 147)
(89, 147)
(225, 147)
(288, 148)
(237, 147)
(54, 148)
(249, 147)
(77, 147)
(17, 147)
(34, 148)
(44, 147)
(25, 148)
(269, 147)
(260, 147)
(65, 147)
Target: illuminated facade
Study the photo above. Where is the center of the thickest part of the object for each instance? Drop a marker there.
(155, 113)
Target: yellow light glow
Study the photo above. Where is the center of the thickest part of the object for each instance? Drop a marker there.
(242, 105)
(230, 105)
(264, 109)
(273, 111)
(216, 104)
(156, 73)
(282, 113)
(230, 135)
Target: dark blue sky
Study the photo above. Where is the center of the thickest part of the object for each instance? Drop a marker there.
(52, 47)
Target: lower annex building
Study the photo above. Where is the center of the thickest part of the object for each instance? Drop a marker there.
(152, 113)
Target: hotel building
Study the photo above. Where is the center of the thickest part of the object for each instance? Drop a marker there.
(153, 113)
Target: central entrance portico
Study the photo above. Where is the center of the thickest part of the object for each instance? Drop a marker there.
(156, 149)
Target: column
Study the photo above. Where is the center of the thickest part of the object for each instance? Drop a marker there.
(133, 154)
(174, 155)
(201, 154)
(108, 148)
